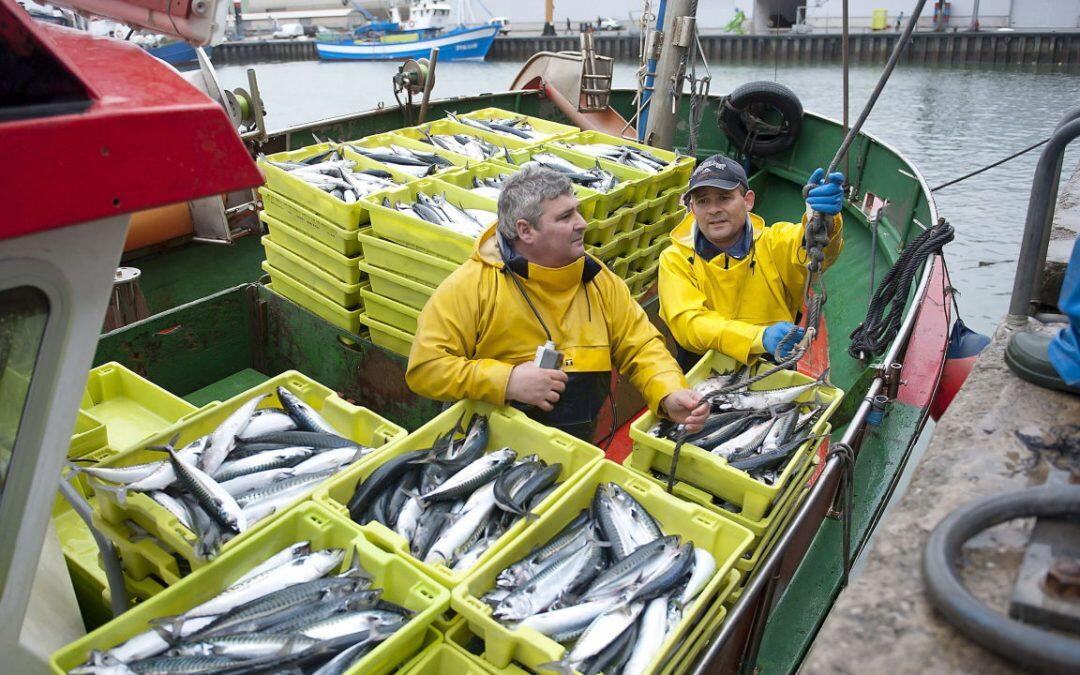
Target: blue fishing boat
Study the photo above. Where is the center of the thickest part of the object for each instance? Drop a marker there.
(456, 45)
(177, 53)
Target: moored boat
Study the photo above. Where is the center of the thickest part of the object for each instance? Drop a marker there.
(456, 45)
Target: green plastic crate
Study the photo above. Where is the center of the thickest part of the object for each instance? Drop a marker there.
(356, 423)
(409, 262)
(88, 435)
(316, 303)
(387, 336)
(509, 427)
(712, 473)
(674, 175)
(633, 186)
(341, 267)
(401, 583)
(304, 220)
(311, 276)
(725, 540)
(442, 242)
(130, 406)
(552, 130)
(397, 287)
(336, 211)
(390, 312)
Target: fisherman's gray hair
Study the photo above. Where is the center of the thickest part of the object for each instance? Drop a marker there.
(523, 195)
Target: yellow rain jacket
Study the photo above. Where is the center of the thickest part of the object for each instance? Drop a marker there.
(477, 326)
(727, 303)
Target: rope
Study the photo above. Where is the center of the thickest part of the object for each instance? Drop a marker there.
(876, 332)
(991, 166)
(845, 493)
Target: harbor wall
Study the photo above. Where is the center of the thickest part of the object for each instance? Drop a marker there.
(951, 49)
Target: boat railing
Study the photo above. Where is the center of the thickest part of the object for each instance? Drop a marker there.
(1040, 216)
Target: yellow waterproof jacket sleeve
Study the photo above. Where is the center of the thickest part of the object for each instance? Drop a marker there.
(638, 349)
(446, 333)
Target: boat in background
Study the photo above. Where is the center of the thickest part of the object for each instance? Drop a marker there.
(177, 53)
(457, 45)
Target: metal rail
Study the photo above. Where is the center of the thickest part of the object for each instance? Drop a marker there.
(114, 574)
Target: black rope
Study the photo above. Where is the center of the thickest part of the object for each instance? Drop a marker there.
(991, 166)
(845, 495)
(877, 331)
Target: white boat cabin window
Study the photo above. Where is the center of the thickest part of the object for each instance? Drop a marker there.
(24, 311)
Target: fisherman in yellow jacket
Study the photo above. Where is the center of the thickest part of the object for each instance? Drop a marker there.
(532, 320)
(728, 282)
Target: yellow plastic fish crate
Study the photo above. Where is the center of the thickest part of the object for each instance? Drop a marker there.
(384, 140)
(442, 242)
(552, 130)
(465, 177)
(689, 650)
(450, 127)
(508, 427)
(88, 435)
(673, 197)
(441, 659)
(712, 473)
(725, 540)
(307, 221)
(676, 174)
(353, 422)
(319, 255)
(336, 211)
(457, 633)
(640, 281)
(311, 276)
(656, 231)
(651, 210)
(409, 262)
(387, 336)
(633, 187)
(293, 291)
(397, 287)
(390, 312)
(400, 582)
(602, 231)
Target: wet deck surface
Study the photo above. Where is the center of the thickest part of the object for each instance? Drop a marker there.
(883, 622)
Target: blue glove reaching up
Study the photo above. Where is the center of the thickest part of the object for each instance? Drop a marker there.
(776, 333)
(828, 196)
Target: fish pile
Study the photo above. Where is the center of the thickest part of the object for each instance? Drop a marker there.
(288, 614)
(441, 211)
(332, 173)
(253, 464)
(626, 155)
(413, 162)
(463, 144)
(518, 128)
(610, 587)
(489, 187)
(596, 178)
(451, 502)
(756, 431)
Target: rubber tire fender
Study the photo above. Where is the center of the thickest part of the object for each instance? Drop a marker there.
(761, 94)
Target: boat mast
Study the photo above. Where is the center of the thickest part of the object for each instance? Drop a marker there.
(676, 39)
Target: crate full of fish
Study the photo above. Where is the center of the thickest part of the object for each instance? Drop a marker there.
(318, 255)
(438, 218)
(486, 180)
(455, 490)
(295, 291)
(617, 184)
(670, 168)
(308, 591)
(755, 438)
(611, 578)
(306, 221)
(525, 127)
(704, 631)
(403, 154)
(476, 141)
(199, 487)
(326, 181)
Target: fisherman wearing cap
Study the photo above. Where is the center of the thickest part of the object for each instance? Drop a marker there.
(728, 282)
(532, 320)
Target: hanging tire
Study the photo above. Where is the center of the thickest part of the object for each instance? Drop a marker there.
(762, 118)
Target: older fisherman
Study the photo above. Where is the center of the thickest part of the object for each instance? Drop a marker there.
(728, 282)
(529, 284)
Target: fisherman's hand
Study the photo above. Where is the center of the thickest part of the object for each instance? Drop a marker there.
(826, 196)
(536, 386)
(776, 333)
(685, 407)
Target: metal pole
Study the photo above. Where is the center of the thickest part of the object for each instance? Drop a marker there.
(679, 31)
(1037, 226)
(650, 69)
(429, 82)
(974, 25)
(114, 575)
(845, 49)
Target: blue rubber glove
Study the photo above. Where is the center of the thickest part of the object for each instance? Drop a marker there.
(775, 334)
(828, 196)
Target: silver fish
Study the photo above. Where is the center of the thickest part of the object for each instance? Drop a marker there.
(223, 438)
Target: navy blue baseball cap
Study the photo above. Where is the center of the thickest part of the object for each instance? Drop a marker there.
(718, 172)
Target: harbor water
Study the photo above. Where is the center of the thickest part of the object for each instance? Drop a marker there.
(947, 121)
